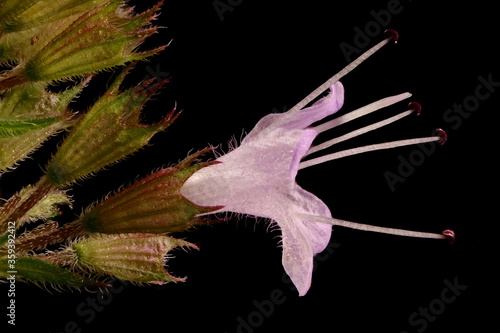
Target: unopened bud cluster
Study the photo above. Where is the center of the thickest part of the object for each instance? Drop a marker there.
(129, 234)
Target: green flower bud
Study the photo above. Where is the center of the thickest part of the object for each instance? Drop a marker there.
(108, 132)
(35, 202)
(133, 257)
(48, 207)
(19, 46)
(14, 148)
(152, 204)
(28, 116)
(19, 15)
(108, 35)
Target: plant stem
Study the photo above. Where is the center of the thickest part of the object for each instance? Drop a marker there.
(10, 81)
(47, 236)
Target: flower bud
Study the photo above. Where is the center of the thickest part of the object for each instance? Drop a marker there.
(133, 257)
(152, 204)
(29, 135)
(48, 207)
(108, 132)
(39, 201)
(28, 116)
(19, 15)
(107, 34)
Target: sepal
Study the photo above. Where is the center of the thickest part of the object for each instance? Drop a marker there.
(19, 15)
(138, 258)
(29, 115)
(152, 204)
(108, 132)
(102, 37)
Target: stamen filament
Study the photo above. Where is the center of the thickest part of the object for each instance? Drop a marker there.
(362, 111)
(358, 132)
(365, 149)
(318, 91)
(366, 227)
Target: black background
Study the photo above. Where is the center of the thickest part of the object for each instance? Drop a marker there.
(263, 57)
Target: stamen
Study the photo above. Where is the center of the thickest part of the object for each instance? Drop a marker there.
(450, 234)
(318, 91)
(416, 107)
(447, 234)
(443, 137)
(393, 34)
(365, 149)
(358, 132)
(362, 111)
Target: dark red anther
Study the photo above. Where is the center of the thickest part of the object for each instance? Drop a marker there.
(450, 234)
(443, 137)
(416, 107)
(393, 34)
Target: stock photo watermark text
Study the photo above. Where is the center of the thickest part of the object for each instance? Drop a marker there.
(222, 7)
(420, 320)
(88, 309)
(454, 118)
(372, 29)
(11, 273)
(263, 309)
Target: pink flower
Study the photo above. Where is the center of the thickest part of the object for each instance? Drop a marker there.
(258, 177)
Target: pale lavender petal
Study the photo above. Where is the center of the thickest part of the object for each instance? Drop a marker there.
(300, 119)
(301, 149)
(301, 239)
(297, 253)
(324, 107)
(247, 180)
(309, 204)
(258, 179)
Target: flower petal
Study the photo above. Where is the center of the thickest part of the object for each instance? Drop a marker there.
(302, 240)
(302, 118)
(258, 178)
(301, 149)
